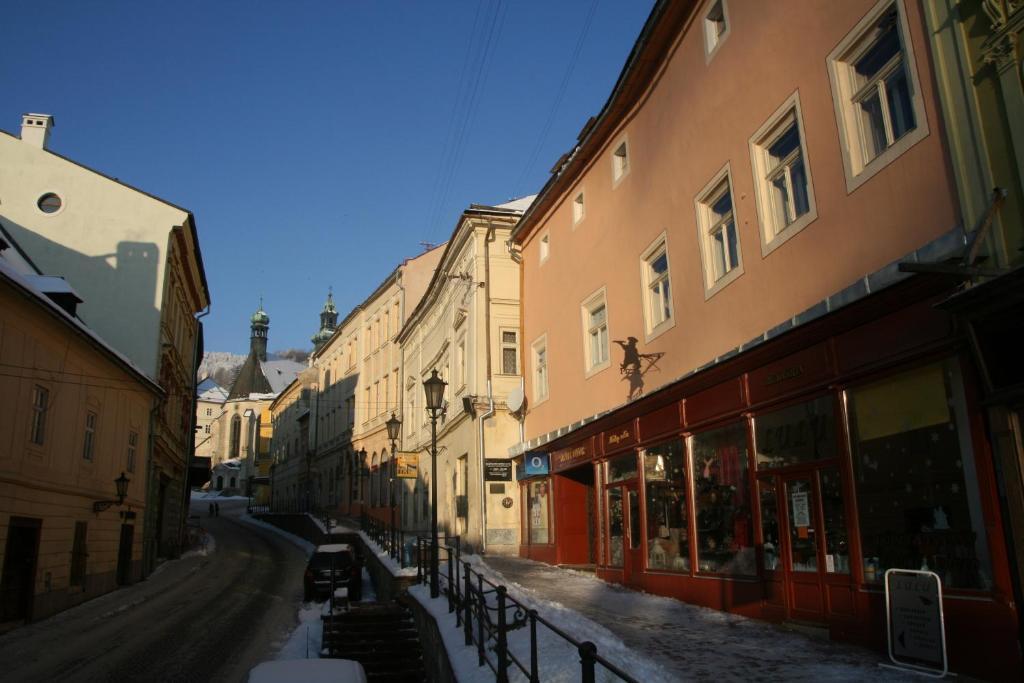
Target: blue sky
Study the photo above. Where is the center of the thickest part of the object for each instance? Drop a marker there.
(317, 143)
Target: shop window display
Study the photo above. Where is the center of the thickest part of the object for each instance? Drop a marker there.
(622, 467)
(769, 524)
(616, 531)
(801, 433)
(539, 512)
(722, 502)
(668, 542)
(917, 491)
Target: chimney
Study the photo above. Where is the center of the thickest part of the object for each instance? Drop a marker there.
(35, 129)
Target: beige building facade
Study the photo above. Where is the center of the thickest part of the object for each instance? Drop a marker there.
(76, 416)
(467, 328)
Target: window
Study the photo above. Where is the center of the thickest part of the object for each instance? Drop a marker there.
(595, 326)
(716, 28)
(539, 506)
(540, 369)
(40, 404)
(49, 203)
(545, 247)
(782, 182)
(236, 437)
(577, 209)
(78, 554)
(800, 433)
(668, 544)
(620, 162)
(722, 501)
(89, 442)
(209, 412)
(716, 223)
(878, 99)
(460, 363)
(657, 289)
(509, 352)
(133, 444)
(206, 429)
(918, 500)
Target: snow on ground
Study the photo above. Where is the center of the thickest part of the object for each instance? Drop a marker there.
(209, 545)
(385, 559)
(297, 540)
(202, 495)
(307, 638)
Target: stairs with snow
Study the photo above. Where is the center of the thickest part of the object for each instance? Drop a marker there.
(383, 638)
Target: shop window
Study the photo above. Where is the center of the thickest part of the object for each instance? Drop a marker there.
(622, 467)
(837, 549)
(668, 540)
(801, 433)
(723, 502)
(540, 512)
(770, 543)
(917, 489)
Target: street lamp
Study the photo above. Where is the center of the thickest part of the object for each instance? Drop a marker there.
(394, 426)
(121, 486)
(434, 388)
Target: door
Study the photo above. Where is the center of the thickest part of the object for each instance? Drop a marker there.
(802, 558)
(625, 545)
(124, 555)
(17, 584)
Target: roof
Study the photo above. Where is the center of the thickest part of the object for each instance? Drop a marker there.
(266, 378)
(208, 390)
(28, 284)
(280, 373)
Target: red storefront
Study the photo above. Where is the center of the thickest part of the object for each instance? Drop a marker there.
(782, 483)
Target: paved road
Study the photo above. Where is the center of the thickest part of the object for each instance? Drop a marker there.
(201, 618)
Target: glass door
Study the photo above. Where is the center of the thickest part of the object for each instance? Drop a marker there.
(803, 531)
(634, 542)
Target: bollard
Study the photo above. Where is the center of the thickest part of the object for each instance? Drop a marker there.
(501, 648)
(534, 676)
(588, 651)
(468, 606)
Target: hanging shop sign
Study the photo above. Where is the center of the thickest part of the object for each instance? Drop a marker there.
(916, 624)
(497, 469)
(407, 465)
(535, 464)
(567, 458)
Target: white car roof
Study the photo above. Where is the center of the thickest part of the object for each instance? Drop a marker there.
(334, 548)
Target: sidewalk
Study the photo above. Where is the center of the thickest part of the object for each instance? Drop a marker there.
(691, 643)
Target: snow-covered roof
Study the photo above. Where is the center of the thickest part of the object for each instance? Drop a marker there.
(521, 204)
(208, 390)
(280, 373)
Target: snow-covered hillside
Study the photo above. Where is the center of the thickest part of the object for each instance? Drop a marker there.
(220, 366)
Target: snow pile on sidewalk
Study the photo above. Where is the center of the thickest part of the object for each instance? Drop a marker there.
(209, 546)
(306, 640)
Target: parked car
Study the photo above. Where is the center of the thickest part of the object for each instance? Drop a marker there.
(291, 670)
(347, 567)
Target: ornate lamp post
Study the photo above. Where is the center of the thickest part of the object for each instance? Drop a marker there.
(434, 388)
(394, 426)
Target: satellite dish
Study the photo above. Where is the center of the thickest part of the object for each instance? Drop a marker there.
(515, 400)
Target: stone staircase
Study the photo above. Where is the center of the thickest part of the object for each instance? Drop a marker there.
(381, 637)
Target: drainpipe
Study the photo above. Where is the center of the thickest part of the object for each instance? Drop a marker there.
(186, 493)
(490, 394)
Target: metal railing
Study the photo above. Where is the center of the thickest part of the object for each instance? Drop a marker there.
(396, 542)
(487, 614)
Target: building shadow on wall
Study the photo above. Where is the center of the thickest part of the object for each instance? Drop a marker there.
(118, 289)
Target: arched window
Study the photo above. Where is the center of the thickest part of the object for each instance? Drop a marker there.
(233, 482)
(220, 482)
(236, 436)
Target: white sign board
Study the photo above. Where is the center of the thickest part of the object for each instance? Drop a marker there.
(801, 509)
(917, 634)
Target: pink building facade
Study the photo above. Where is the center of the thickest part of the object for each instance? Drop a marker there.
(741, 399)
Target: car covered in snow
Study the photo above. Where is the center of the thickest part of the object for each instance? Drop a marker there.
(308, 671)
(340, 560)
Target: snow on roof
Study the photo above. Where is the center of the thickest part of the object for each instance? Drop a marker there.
(280, 373)
(521, 204)
(51, 284)
(308, 671)
(334, 548)
(208, 390)
(26, 282)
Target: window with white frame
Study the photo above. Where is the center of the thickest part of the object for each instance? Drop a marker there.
(878, 99)
(716, 27)
(89, 440)
(545, 247)
(716, 223)
(785, 196)
(620, 161)
(657, 286)
(509, 352)
(595, 331)
(577, 208)
(540, 369)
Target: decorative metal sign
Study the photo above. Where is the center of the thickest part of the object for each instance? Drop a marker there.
(916, 624)
(497, 469)
(407, 465)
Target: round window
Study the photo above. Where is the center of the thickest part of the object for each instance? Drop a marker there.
(49, 203)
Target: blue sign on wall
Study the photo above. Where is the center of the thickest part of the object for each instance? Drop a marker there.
(535, 464)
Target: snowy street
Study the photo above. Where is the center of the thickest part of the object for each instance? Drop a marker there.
(209, 616)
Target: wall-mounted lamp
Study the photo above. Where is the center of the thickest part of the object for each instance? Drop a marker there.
(122, 492)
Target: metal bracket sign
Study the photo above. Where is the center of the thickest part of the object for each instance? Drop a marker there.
(915, 620)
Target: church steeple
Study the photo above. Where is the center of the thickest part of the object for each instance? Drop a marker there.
(258, 337)
(328, 322)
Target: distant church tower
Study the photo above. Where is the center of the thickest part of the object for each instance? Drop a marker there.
(328, 322)
(258, 339)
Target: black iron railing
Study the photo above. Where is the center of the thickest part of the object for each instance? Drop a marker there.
(390, 539)
(487, 614)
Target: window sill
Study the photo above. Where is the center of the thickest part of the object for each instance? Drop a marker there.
(659, 330)
(788, 232)
(597, 369)
(724, 282)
